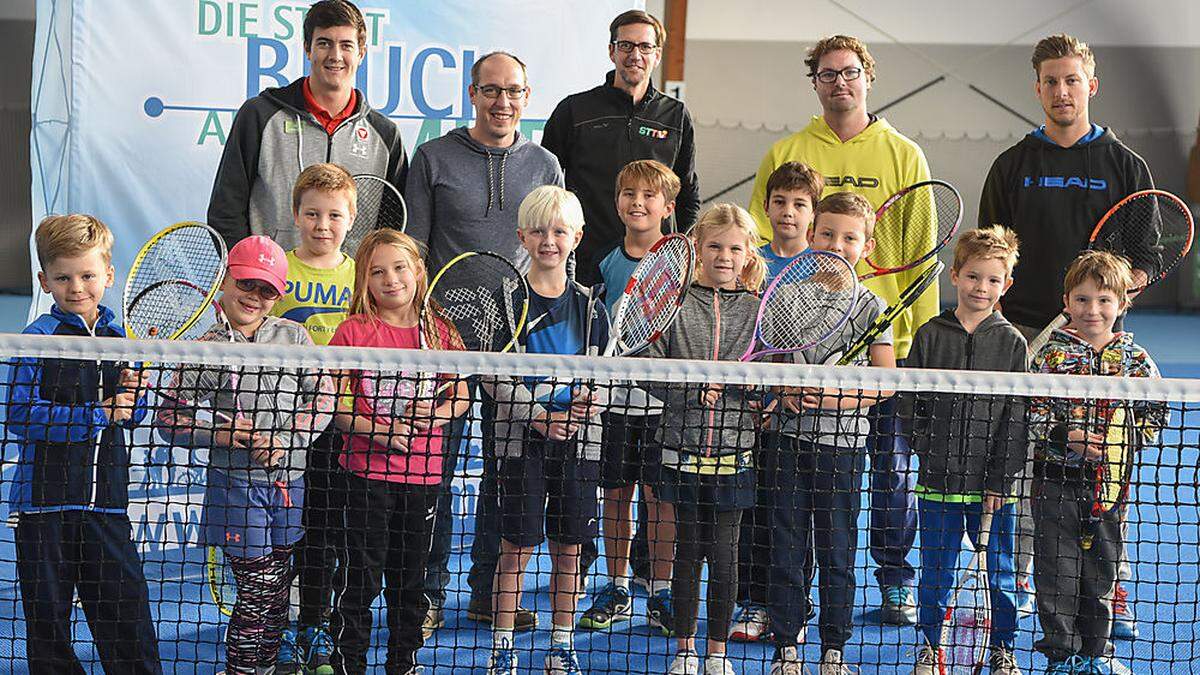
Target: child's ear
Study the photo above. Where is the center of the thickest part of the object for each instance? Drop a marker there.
(1008, 285)
(112, 275)
(954, 277)
(42, 281)
(578, 238)
(669, 207)
(868, 248)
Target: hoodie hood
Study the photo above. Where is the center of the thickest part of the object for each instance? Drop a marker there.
(1093, 134)
(821, 130)
(496, 160)
(291, 98)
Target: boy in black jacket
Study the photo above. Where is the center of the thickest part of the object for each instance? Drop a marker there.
(70, 489)
(970, 447)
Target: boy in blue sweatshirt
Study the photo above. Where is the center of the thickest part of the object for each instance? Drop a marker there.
(70, 490)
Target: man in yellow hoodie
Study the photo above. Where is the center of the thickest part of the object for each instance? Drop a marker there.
(855, 150)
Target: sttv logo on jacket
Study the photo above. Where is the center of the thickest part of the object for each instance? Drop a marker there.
(660, 134)
(1065, 182)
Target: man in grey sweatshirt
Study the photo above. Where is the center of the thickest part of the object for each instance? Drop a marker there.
(464, 188)
(463, 193)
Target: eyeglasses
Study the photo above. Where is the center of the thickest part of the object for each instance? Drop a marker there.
(848, 74)
(493, 91)
(627, 47)
(263, 289)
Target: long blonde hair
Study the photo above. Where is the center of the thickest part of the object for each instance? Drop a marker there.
(725, 216)
(362, 302)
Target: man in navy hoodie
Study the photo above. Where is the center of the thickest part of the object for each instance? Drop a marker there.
(1051, 188)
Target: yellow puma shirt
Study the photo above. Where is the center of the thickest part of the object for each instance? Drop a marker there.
(318, 299)
(876, 163)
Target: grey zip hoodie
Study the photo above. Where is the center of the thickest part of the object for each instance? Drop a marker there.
(967, 443)
(463, 195)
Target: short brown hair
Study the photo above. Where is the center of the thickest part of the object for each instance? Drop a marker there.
(835, 43)
(71, 236)
(848, 204)
(797, 176)
(325, 178)
(637, 16)
(475, 67)
(994, 242)
(652, 173)
(1060, 46)
(330, 13)
(1109, 271)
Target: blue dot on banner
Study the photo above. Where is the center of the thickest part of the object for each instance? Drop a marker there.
(153, 106)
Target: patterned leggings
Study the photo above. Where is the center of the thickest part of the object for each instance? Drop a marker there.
(260, 613)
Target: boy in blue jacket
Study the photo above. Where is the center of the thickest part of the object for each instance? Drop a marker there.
(70, 490)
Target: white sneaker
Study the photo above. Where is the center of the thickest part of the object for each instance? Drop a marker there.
(686, 662)
(787, 662)
(927, 661)
(750, 624)
(718, 664)
(832, 663)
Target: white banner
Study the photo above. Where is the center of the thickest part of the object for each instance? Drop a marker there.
(132, 101)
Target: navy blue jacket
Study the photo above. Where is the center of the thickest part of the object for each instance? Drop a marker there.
(71, 457)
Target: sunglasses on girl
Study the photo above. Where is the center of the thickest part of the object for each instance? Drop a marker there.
(263, 289)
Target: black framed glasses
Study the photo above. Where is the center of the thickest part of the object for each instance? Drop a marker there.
(493, 91)
(848, 74)
(263, 289)
(626, 47)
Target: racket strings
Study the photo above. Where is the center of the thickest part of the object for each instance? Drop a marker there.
(918, 223)
(481, 300)
(654, 293)
(966, 633)
(378, 205)
(171, 284)
(1153, 230)
(807, 304)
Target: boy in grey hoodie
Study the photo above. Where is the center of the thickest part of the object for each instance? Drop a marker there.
(970, 447)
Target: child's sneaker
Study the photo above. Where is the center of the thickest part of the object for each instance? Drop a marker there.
(641, 582)
(1075, 665)
(1003, 661)
(503, 662)
(686, 662)
(832, 664)
(1025, 598)
(750, 624)
(288, 660)
(1107, 665)
(658, 610)
(787, 662)
(927, 661)
(898, 607)
(316, 647)
(612, 604)
(434, 619)
(562, 661)
(1124, 625)
(718, 664)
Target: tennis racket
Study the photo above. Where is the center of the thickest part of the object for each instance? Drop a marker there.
(221, 583)
(173, 281)
(808, 301)
(912, 226)
(1112, 473)
(907, 298)
(379, 205)
(1153, 228)
(967, 624)
(652, 296)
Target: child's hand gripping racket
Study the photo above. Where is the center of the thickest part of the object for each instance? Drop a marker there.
(1113, 468)
(1153, 228)
(967, 624)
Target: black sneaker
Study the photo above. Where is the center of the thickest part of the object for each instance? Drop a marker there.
(612, 604)
(658, 609)
(481, 610)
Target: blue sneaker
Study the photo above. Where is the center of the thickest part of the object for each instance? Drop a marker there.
(562, 661)
(899, 608)
(317, 647)
(658, 609)
(287, 662)
(1107, 665)
(1075, 665)
(503, 662)
(612, 604)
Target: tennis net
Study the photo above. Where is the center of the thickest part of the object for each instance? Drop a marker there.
(381, 548)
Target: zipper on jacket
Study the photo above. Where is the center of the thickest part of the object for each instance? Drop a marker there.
(99, 437)
(964, 443)
(716, 352)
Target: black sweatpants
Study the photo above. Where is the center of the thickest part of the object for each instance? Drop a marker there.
(316, 552)
(1072, 583)
(387, 530)
(63, 553)
(704, 533)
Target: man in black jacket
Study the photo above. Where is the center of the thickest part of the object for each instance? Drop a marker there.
(595, 133)
(1052, 187)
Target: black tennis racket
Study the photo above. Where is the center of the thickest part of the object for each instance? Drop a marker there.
(912, 226)
(379, 205)
(909, 296)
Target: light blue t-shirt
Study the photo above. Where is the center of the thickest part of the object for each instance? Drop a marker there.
(775, 262)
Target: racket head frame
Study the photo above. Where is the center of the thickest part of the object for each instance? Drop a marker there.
(908, 297)
(208, 295)
(520, 312)
(354, 233)
(1175, 202)
(664, 312)
(947, 236)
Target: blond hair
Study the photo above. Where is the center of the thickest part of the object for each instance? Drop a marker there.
(993, 242)
(652, 174)
(547, 204)
(71, 236)
(325, 178)
(835, 43)
(1060, 46)
(723, 217)
(1109, 271)
(848, 204)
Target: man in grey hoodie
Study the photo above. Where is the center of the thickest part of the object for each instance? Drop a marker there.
(463, 193)
(464, 188)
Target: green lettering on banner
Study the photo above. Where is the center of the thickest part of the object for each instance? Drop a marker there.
(431, 128)
(212, 127)
(205, 6)
(286, 30)
(247, 20)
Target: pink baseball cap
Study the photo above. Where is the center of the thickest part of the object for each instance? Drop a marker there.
(259, 258)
